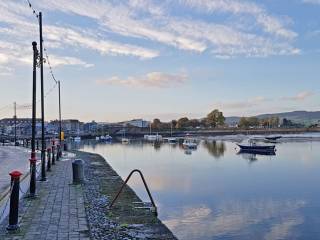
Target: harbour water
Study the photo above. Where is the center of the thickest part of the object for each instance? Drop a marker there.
(215, 193)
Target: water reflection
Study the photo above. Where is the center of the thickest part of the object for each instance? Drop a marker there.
(252, 157)
(215, 148)
(203, 199)
(236, 219)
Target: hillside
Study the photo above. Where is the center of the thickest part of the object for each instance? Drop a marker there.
(304, 117)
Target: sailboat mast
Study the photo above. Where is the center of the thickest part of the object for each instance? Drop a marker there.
(150, 127)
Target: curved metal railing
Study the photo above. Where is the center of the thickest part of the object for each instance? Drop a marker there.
(145, 185)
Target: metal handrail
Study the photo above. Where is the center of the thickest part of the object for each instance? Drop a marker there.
(145, 185)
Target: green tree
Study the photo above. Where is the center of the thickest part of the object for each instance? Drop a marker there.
(215, 118)
(253, 121)
(182, 122)
(156, 124)
(194, 123)
(243, 123)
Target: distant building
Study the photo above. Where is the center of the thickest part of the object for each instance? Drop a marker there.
(23, 126)
(90, 127)
(138, 123)
(72, 126)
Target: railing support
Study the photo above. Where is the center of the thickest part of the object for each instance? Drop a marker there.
(145, 185)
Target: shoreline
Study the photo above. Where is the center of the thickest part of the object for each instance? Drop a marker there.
(134, 132)
(123, 221)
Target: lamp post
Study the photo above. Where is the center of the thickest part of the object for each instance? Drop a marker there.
(33, 160)
(60, 124)
(15, 123)
(43, 143)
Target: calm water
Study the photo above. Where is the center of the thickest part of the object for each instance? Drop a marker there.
(214, 193)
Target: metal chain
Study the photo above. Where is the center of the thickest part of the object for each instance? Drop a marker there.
(6, 205)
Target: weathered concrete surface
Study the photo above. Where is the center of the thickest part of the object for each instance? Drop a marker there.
(123, 221)
(57, 213)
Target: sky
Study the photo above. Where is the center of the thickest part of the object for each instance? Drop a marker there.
(119, 60)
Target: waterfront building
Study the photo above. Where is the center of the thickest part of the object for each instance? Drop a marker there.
(138, 123)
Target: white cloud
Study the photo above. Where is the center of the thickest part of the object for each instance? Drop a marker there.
(311, 1)
(148, 20)
(268, 23)
(301, 96)
(152, 79)
(88, 39)
(252, 102)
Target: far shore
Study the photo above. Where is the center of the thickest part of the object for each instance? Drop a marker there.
(135, 132)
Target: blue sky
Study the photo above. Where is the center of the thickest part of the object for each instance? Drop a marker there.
(118, 60)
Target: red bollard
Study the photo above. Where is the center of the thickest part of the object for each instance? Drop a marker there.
(14, 201)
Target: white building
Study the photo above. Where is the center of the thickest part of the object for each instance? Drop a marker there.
(138, 123)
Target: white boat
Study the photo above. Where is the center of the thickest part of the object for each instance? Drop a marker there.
(172, 140)
(77, 139)
(125, 140)
(153, 137)
(190, 143)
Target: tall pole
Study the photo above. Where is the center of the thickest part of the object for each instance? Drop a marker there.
(15, 123)
(60, 124)
(33, 159)
(43, 145)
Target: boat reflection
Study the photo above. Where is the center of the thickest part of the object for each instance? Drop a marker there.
(215, 148)
(253, 156)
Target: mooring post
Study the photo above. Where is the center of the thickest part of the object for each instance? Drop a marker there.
(58, 152)
(14, 201)
(53, 153)
(48, 159)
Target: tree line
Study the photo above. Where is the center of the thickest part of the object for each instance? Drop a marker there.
(213, 119)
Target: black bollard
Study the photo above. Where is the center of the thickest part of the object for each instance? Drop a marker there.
(37, 144)
(33, 170)
(53, 154)
(58, 152)
(14, 201)
(49, 159)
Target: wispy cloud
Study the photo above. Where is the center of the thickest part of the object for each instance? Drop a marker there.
(252, 102)
(150, 80)
(269, 23)
(312, 1)
(153, 21)
(301, 96)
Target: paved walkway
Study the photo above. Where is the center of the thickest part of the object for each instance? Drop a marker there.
(57, 213)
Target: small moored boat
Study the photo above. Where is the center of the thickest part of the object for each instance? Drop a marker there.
(190, 143)
(257, 148)
(125, 140)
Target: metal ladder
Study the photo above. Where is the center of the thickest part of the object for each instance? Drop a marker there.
(146, 187)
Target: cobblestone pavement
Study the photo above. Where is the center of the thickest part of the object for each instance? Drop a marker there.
(57, 213)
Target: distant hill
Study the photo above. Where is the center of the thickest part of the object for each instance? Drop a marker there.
(304, 117)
